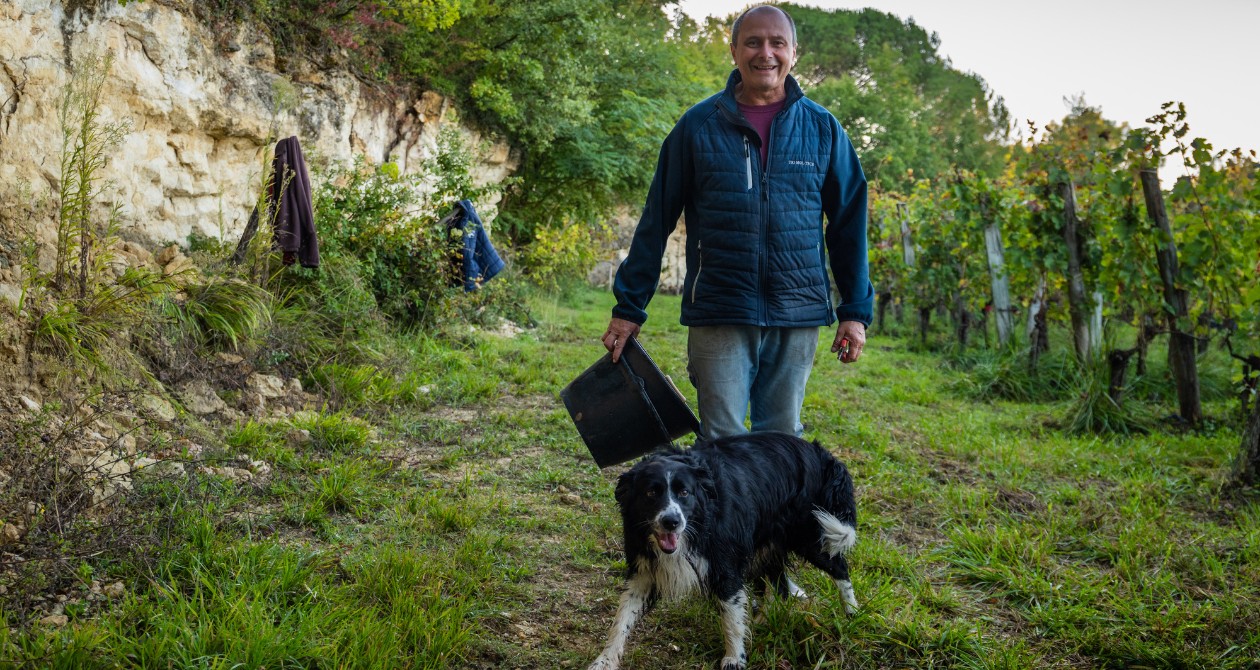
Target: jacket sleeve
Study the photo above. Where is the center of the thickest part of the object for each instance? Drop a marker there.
(640, 273)
(845, 205)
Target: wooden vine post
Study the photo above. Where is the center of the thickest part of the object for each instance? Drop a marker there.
(1247, 467)
(907, 254)
(1181, 354)
(1078, 305)
(998, 281)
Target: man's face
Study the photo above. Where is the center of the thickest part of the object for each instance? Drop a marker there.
(764, 51)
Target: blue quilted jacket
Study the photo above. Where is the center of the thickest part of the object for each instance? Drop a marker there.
(758, 246)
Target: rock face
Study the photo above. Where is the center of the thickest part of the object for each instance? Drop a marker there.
(673, 262)
(204, 112)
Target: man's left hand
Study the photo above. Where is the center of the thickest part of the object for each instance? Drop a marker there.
(850, 338)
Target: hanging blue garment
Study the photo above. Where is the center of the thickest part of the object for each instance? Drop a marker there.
(480, 261)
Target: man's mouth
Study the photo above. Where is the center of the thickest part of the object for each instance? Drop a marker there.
(668, 542)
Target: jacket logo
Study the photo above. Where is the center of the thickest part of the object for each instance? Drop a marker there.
(802, 163)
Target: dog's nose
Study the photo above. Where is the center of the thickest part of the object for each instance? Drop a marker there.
(670, 522)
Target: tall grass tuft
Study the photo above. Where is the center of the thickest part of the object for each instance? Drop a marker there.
(1004, 374)
(1093, 410)
(220, 313)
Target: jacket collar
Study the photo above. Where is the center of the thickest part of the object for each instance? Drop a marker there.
(730, 108)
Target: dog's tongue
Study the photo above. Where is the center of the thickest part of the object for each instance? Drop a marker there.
(668, 542)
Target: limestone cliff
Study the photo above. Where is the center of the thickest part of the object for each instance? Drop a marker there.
(203, 108)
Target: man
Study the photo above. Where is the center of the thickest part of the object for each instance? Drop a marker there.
(756, 169)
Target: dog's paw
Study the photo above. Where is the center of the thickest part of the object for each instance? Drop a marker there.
(732, 663)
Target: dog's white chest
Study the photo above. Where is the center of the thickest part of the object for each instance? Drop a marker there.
(676, 575)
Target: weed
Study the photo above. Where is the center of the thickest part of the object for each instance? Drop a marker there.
(338, 433)
(219, 314)
(1093, 409)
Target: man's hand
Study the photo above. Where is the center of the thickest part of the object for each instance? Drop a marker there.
(850, 338)
(618, 333)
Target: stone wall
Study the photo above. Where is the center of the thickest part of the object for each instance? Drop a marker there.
(203, 109)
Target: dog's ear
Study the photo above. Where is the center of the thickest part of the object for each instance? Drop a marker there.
(705, 481)
(625, 485)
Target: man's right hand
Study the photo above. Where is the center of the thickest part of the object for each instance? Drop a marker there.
(618, 333)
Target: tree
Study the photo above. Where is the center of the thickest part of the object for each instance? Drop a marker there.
(910, 114)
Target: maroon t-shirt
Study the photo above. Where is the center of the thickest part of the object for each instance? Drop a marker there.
(760, 117)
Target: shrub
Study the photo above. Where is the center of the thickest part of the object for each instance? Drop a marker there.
(389, 223)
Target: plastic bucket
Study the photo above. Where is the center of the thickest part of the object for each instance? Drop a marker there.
(626, 409)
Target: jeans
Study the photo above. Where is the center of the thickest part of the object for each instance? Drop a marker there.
(735, 366)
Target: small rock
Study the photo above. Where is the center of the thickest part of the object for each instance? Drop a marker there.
(168, 254)
(56, 620)
(180, 264)
(199, 397)
(29, 404)
(571, 499)
(10, 534)
(267, 386)
(229, 359)
(140, 253)
(128, 443)
(260, 468)
(238, 475)
(190, 449)
(115, 590)
(11, 293)
(298, 437)
(171, 469)
(293, 386)
(158, 407)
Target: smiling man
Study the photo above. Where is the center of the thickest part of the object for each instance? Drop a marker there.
(773, 195)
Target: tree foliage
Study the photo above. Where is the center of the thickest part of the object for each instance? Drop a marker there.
(911, 114)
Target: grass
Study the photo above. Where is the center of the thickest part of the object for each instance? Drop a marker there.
(466, 526)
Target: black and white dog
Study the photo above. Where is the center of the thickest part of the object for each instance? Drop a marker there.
(724, 514)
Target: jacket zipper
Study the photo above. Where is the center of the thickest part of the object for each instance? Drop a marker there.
(747, 163)
(699, 267)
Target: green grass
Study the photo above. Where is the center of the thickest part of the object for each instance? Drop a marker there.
(466, 526)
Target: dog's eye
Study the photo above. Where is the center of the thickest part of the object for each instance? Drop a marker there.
(651, 493)
(684, 493)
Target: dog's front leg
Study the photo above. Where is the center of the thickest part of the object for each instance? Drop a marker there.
(734, 628)
(634, 601)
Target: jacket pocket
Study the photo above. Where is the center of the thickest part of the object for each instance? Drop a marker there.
(747, 164)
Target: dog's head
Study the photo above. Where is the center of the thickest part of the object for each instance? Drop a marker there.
(662, 500)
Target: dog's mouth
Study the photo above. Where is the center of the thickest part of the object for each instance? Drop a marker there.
(668, 542)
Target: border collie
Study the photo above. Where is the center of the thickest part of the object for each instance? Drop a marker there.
(723, 515)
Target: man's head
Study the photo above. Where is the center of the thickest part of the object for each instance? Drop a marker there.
(763, 45)
(739, 20)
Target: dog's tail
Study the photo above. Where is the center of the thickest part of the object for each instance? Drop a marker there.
(838, 520)
(838, 537)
